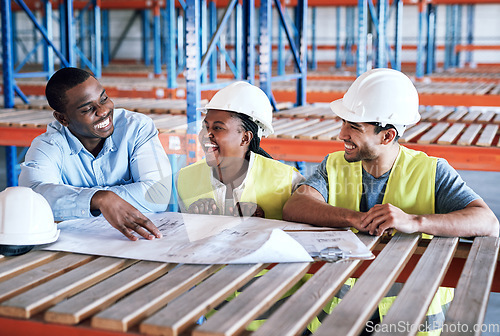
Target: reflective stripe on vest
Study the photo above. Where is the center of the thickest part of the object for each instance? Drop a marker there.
(268, 184)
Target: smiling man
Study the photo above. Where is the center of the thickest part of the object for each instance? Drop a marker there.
(376, 185)
(95, 159)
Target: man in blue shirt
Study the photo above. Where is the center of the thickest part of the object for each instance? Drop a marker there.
(95, 159)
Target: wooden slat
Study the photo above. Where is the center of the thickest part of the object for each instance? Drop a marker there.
(41, 274)
(299, 309)
(10, 267)
(330, 135)
(323, 128)
(41, 297)
(455, 116)
(186, 309)
(469, 135)
(371, 287)
(473, 289)
(103, 294)
(471, 116)
(441, 115)
(486, 138)
(297, 133)
(290, 128)
(253, 301)
(433, 133)
(496, 120)
(413, 301)
(429, 113)
(486, 117)
(152, 297)
(451, 134)
(415, 131)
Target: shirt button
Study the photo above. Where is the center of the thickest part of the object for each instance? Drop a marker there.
(83, 212)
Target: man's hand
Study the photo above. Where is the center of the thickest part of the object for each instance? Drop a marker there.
(384, 217)
(123, 216)
(205, 206)
(246, 209)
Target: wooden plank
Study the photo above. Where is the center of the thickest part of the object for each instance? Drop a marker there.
(41, 297)
(415, 131)
(471, 116)
(433, 134)
(469, 135)
(323, 127)
(455, 116)
(182, 312)
(299, 309)
(283, 132)
(496, 120)
(424, 116)
(103, 294)
(473, 289)
(147, 300)
(253, 301)
(413, 301)
(487, 136)
(451, 134)
(486, 117)
(371, 287)
(41, 274)
(295, 133)
(332, 134)
(441, 115)
(10, 267)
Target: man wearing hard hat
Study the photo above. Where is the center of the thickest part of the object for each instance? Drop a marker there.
(376, 185)
(95, 159)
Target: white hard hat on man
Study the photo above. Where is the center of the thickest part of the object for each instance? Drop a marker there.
(384, 96)
(245, 98)
(26, 220)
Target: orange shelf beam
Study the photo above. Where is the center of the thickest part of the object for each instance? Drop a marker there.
(460, 157)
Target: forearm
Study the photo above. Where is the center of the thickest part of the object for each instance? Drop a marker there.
(305, 206)
(469, 222)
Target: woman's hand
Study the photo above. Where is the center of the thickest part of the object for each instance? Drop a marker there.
(247, 209)
(205, 206)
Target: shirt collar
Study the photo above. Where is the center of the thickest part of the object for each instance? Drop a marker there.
(76, 146)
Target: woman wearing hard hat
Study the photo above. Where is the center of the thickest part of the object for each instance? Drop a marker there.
(237, 177)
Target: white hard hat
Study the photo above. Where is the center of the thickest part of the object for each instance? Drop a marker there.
(382, 95)
(245, 98)
(25, 218)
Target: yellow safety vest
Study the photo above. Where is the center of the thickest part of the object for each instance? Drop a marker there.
(410, 187)
(268, 184)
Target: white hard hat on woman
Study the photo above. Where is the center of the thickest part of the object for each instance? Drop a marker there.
(384, 96)
(245, 98)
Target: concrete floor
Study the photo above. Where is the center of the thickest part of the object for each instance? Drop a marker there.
(486, 184)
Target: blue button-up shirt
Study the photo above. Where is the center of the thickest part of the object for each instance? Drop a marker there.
(132, 164)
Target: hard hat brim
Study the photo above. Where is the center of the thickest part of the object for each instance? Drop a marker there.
(342, 112)
(29, 238)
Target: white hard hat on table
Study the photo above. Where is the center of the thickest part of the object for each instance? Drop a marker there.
(385, 96)
(245, 98)
(25, 218)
